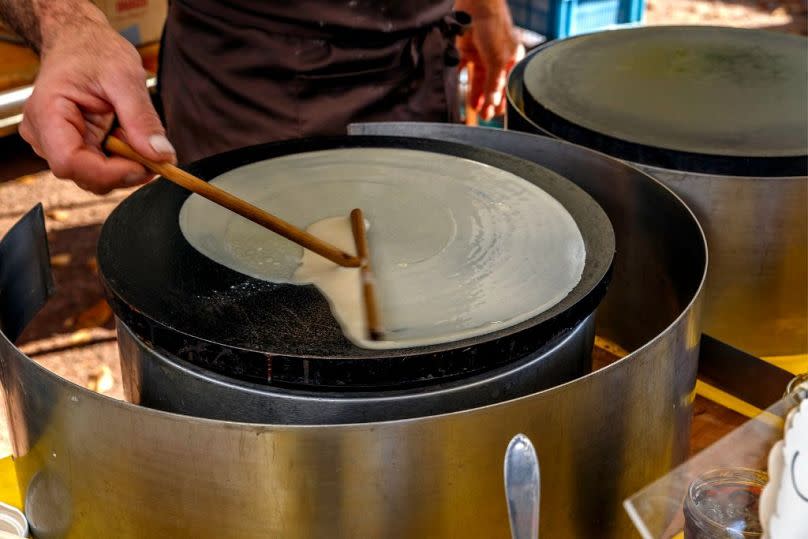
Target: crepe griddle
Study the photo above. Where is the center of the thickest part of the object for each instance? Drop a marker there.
(185, 304)
(569, 101)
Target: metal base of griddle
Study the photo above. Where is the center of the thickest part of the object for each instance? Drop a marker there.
(167, 383)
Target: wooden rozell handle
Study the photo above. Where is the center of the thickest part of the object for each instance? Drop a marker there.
(233, 203)
(368, 281)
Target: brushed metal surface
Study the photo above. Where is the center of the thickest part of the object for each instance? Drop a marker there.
(93, 467)
(89, 466)
(756, 296)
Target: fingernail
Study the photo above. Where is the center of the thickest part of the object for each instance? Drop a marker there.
(161, 145)
(134, 178)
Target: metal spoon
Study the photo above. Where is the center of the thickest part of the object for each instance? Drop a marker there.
(522, 487)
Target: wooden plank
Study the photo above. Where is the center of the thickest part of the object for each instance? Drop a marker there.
(711, 422)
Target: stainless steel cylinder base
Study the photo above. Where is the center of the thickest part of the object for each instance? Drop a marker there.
(756, 294)
(89, 466)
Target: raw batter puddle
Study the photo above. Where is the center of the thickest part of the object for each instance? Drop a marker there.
(458, 248)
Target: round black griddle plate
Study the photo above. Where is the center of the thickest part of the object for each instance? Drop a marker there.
(623, 134)
(183, 303)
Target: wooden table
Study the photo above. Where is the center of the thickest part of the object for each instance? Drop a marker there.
(711, 422)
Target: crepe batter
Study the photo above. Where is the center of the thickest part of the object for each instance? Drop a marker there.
(458, 248)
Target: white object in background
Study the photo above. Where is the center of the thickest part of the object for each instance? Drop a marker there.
(784, 501)
(12, 522)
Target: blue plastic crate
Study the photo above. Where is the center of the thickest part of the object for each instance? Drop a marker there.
(562, 18)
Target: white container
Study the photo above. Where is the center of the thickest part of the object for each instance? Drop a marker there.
(12, 522)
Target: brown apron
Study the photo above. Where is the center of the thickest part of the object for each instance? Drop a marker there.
(232, 76)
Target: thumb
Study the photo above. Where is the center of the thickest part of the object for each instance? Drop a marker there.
(139, 121)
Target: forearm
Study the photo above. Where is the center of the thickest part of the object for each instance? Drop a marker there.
(41, 22)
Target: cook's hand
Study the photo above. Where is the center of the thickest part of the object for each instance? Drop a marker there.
(491, 46)
(85, 78)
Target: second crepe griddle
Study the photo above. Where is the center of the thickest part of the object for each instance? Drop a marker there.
(702, 99)
(188, 305)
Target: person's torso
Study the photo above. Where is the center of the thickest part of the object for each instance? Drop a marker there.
(363, 15)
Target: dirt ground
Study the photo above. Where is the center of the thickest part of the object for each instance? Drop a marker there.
(788, 15)
(74, 335)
